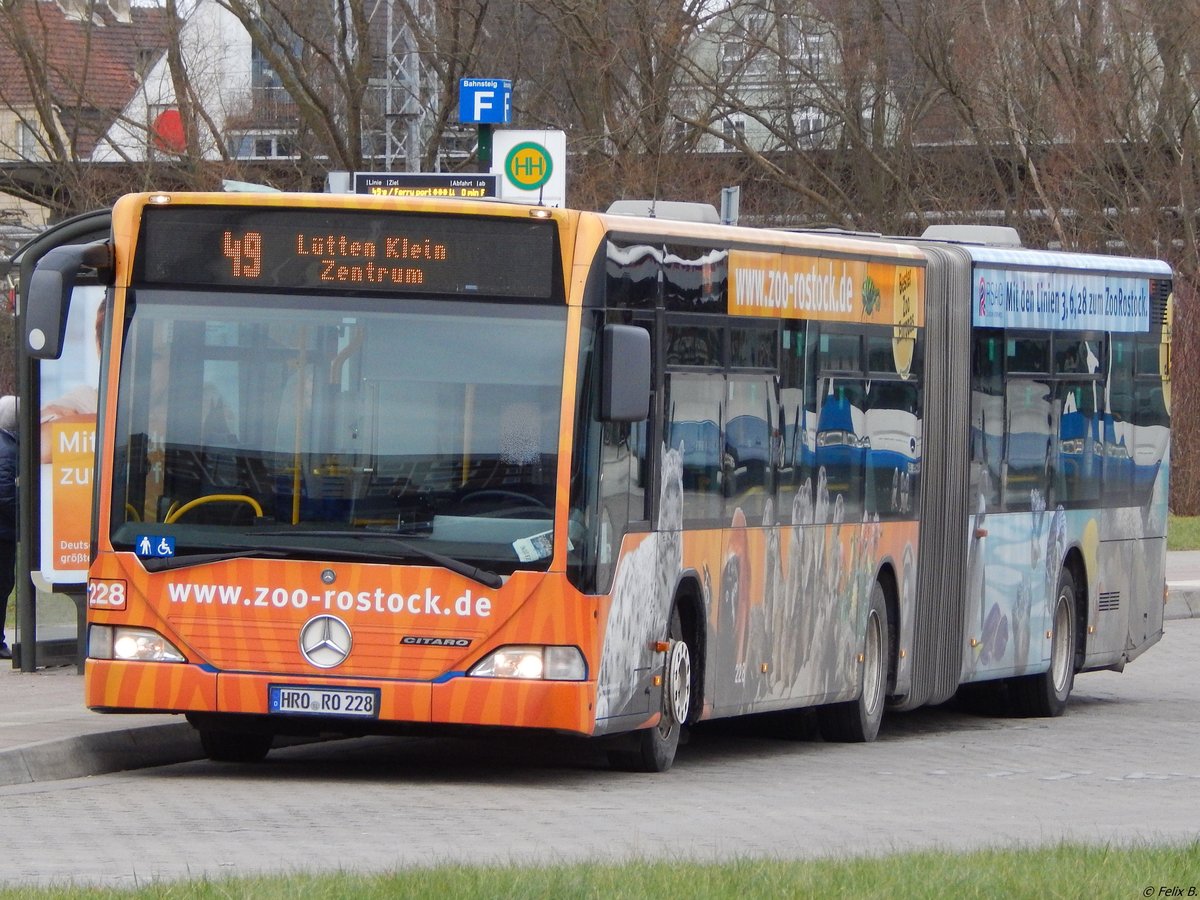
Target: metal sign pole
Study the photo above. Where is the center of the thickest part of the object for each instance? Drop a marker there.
(484, 151)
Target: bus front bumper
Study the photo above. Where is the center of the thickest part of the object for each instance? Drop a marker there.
(150, 687)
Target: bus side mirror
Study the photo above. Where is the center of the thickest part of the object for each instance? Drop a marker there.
(625, 381)
(48, 297)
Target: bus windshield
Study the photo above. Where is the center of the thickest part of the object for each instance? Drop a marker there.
(305, 425)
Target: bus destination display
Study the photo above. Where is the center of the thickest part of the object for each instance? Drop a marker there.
(348, 250)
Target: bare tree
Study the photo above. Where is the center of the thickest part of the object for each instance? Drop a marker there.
(79, 87)
(321, 54)
(1085, 116)
(605, 72)
(454, 40)
(49, 96)
(822, 101)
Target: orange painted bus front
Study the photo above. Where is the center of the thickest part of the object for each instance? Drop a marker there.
(416, 631)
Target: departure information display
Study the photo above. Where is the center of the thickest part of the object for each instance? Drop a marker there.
(351, 250)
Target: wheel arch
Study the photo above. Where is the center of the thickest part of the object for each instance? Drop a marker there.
(689, 600)
(886, 577)
(1074, 563)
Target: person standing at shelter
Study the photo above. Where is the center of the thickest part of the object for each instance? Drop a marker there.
(8, 510)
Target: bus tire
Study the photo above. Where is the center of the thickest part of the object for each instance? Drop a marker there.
(857, 721)
(1046, 694)
(235, 746)
(653, 749)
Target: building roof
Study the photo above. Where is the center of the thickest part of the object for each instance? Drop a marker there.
(89, 65)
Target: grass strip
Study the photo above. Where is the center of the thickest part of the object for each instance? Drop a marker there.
(1063, 871)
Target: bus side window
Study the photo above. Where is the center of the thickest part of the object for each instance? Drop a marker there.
(694, 422)
(632, 275)
(796, 419)
(1079, 447)
(841, 446)
(1117, 422)
(987, 416)
(752, 433)
(1028, 421)
(1027, 439)
(894, 451)
(695, 278)
(841, 440)
(1151, 420)
(893, 426)
(750, 427)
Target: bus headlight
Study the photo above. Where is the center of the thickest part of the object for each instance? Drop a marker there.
(533, 663)
(131, 644)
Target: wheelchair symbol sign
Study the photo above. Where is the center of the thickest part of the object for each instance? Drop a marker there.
(154, 546)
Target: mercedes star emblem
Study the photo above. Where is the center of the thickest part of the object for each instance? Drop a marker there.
(325, 641)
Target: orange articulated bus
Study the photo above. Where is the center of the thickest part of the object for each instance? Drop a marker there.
(372, 464)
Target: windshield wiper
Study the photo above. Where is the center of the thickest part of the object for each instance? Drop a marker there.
(183, 560)
(483, 576)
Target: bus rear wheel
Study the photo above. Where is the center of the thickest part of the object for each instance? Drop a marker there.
(858, 720)
(653, 749)
(1046, 694)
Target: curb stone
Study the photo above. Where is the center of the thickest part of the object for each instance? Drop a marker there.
(100, 753)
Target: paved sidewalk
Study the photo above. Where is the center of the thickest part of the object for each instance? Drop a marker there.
(46, 733)
(1183, 584)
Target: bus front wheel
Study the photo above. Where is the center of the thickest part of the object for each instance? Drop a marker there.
(653, 749)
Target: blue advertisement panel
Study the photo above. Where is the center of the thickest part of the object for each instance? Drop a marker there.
(1048, 300)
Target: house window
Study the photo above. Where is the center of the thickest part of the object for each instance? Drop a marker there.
(758, 25)
(809, 54)
(732, 53)
(734, 130)
(459, 141)
(262, 75)
(29, 144)
(146, 57)
(260, 145)
(810, 125)
(681, 132)
(758, 65)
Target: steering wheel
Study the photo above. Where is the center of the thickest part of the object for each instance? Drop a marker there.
(524, 512)
(174, 515)
(527, 500)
